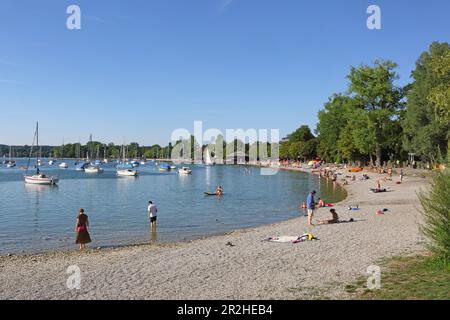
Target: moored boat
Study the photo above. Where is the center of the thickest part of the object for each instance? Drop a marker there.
(39, 178)
(127, 172)
(184, 170)
(63, 165)
(164, 167)
(93, 169)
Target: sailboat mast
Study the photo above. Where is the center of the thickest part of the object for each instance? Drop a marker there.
(37, 146)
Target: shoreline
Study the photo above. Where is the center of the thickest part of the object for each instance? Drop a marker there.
(63, 250)
(209, 254)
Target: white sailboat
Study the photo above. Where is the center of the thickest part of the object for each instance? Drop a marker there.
(11, 163)
(94, 166)
(208, 159)
(125, 169)
(63, 165)
(39, 178)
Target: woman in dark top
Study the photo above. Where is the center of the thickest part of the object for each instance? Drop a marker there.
(82, 229)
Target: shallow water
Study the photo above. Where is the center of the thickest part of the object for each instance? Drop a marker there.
(38, 218)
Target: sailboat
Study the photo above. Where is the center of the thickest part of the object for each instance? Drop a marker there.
(51, 161)
(11, 163)
(63, 165)
(124, 168)
(105, 159)
(94, 168)
(38, 178)
(208, 160)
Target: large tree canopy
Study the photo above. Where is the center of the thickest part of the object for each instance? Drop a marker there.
(302, 144)
(427, 118)
(365, 121)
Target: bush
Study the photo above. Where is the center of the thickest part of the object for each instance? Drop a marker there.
(436, 213)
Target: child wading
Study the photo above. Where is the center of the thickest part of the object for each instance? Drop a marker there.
(82, 229)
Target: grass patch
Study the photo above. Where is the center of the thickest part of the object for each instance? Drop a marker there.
(408, 278)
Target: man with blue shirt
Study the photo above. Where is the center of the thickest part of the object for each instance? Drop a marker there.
(311, 205)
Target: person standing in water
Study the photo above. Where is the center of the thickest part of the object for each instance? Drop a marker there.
(311, 205)
(82, 229)
(152, 212)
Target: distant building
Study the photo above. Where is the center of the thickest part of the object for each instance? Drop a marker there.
(238, 157)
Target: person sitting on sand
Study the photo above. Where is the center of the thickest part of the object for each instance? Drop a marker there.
(334, 219)
(353, 178)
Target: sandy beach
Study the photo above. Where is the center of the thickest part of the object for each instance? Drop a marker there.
(251, 269)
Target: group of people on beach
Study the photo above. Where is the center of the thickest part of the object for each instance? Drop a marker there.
(311, 205)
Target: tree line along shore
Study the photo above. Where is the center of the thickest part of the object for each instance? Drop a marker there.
(377, 121)
(373, 121)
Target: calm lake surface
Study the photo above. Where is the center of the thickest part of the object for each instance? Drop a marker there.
(39, 218)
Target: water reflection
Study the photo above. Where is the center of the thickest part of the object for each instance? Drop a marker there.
(153, 234)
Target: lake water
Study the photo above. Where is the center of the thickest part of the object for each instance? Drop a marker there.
(38, 218)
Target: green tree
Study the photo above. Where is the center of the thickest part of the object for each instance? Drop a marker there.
(374, 91)
(427, 117)
(333, 119)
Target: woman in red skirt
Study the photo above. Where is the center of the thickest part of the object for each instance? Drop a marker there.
(82, 229)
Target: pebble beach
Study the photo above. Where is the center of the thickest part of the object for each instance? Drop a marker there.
(237, 265)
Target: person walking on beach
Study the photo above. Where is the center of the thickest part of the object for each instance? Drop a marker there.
(401, 175)
(152, 212)
(311, 205)
(82, 229)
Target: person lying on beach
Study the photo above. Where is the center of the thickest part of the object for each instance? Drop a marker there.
(378, 190)
(364, 177)
(334, 219)
(321, 203)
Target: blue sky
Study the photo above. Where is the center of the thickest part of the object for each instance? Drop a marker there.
(138, 69)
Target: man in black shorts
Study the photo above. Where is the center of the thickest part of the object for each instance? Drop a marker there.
(152, 211)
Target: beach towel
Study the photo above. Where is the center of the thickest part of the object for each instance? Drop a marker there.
(291, 239)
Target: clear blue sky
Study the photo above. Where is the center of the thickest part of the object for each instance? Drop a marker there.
(139, 69)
